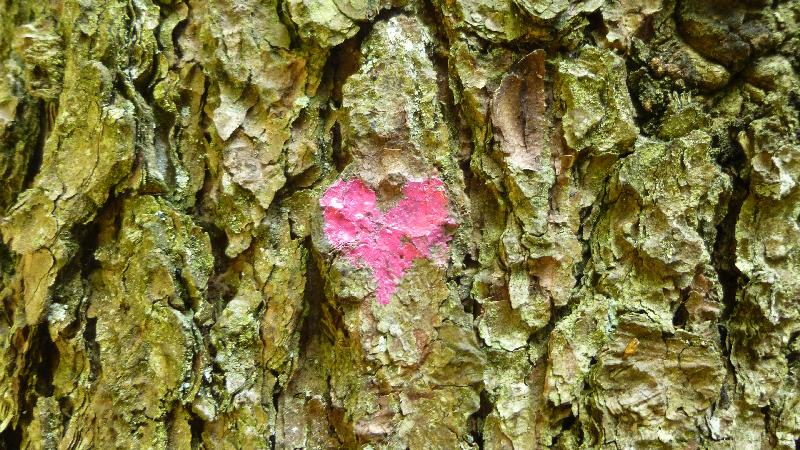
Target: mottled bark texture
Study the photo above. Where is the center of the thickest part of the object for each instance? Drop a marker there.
(622, 267)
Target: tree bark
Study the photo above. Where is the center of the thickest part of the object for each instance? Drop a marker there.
(391, 224)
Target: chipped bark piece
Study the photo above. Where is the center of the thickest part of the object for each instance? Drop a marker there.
(630, 349)
(518, 113)
(598, 113)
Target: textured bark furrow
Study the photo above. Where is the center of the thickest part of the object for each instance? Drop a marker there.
(582, 216)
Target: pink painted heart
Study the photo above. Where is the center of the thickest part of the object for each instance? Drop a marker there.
(387, 243)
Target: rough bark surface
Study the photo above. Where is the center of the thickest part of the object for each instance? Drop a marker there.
(619, 268)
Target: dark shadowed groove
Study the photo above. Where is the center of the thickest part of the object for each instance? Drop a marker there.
(92, 348)
(44, 361)
(724, 252)
(11, 438)
(478, 419)
(35, 160)
(196, 428)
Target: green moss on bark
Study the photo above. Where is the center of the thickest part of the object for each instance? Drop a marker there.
(621, 177)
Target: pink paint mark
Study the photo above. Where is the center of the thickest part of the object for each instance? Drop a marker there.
(417, 227)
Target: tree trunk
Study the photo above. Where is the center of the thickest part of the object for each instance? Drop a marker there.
(391, 224)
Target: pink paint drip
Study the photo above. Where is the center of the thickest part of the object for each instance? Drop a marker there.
(417, 227)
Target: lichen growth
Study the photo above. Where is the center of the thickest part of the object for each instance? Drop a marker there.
(618, 195)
